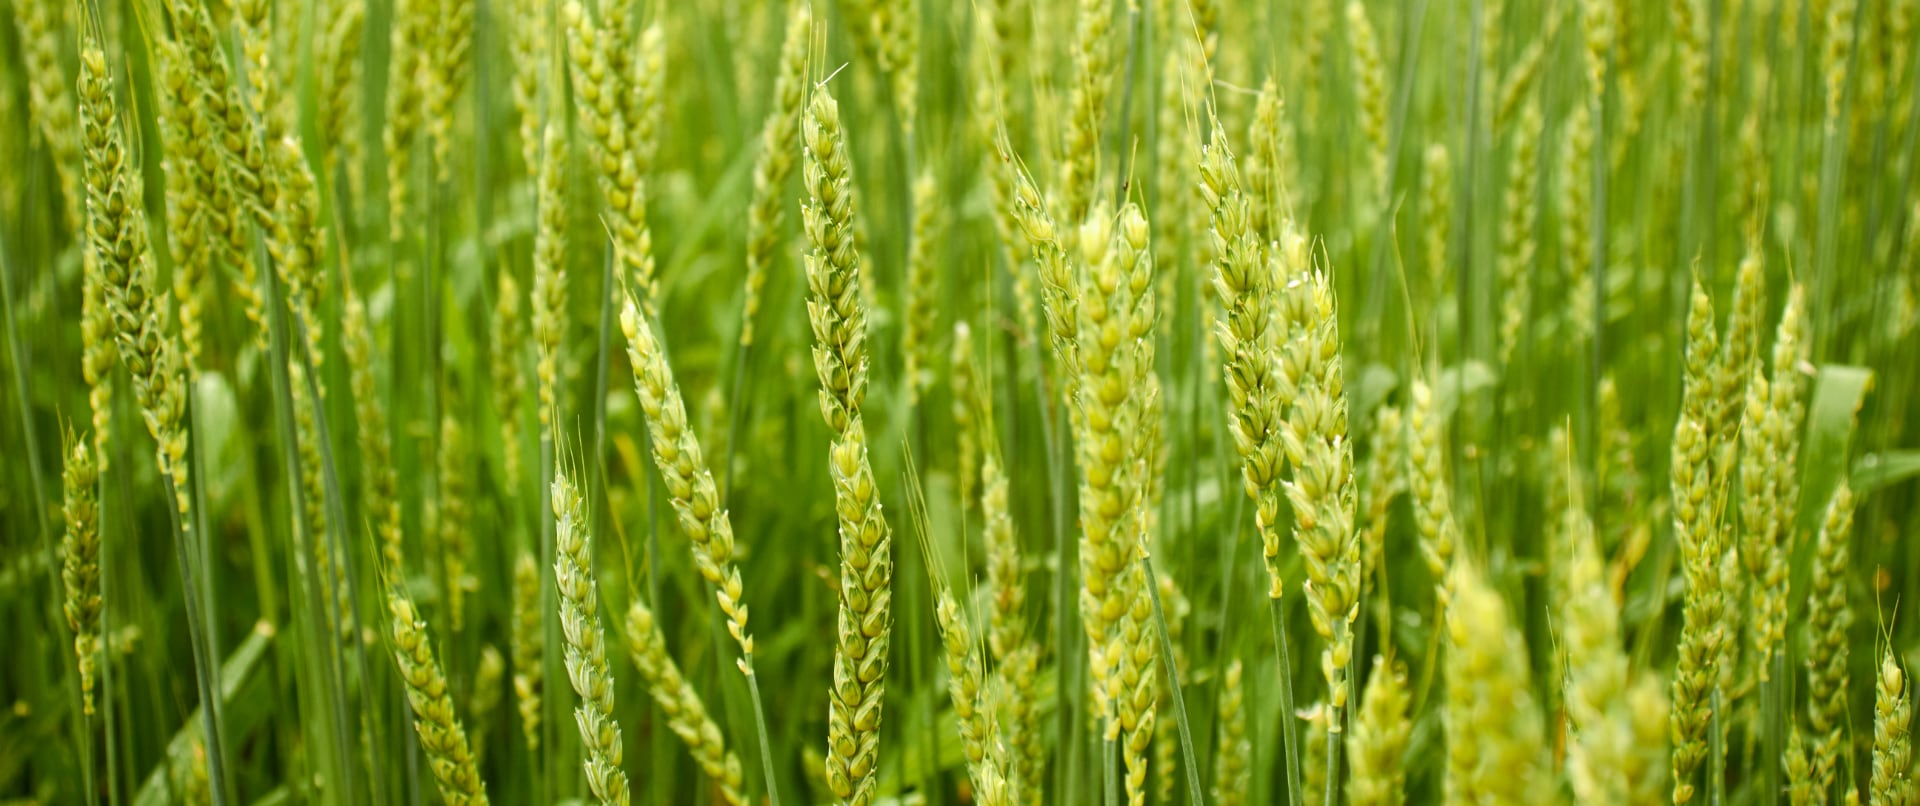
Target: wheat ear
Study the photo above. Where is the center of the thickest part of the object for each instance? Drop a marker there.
(839, 321)
(685, 714)
(80, 562)
(441, 735)
(586, 650)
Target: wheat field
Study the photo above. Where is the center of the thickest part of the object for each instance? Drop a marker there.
(995, 401)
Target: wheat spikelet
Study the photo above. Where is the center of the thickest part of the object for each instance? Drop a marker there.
(296, 241)
(644, 101)
(410, 51)
(1386, 481)
(839, 322)
(528, 38)
(1313, 752)
(681, 705)
(550, 276)
(916, 332)
(528, 646)
(1264, 182)
(454, 766)
(1018, 685)
(966, 426)
(1321, 491)
(967, 686)
(1769, 442)
(1378, 745)
(775, 163)
(1576, 219)
(1596, 688)
(1892, 781)
(248, 188)
(1052, 254)
(1166, 739)
(1232, 760)
(1370, 89)
(1244, 281)
(1493, 727)
(1521, 78)
(117, 233)
(97, 353)
(689, 482)
(1016, 657)
(1113, 396)
(50, 99)
(586, 650)
(896, 28)
(1828, 619)
(446, 77)
(509, 380)
(451, 516)
(1599, 20)
(1092, 80)
(254, 18)
(80, 561)
(1690, 31)
(338, 62)
(1436, 214)
(1432, 492)
(381, 494)
(196, 210)
(617, 151)
(1517, 236)
(1701, 557)
(1836, 54)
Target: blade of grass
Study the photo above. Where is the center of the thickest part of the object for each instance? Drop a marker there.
(84, 726)
(318, 622)
(1289, 742)
(1194, 794)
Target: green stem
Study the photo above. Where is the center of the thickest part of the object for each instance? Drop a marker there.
(1717, 751)
(760, 727)
(1289, 743)
(317, 603)
(17, 358)
(1195, 795)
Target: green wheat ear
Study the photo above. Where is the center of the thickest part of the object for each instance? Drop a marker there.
(839, 321)
(586, 645)
(449, 756)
